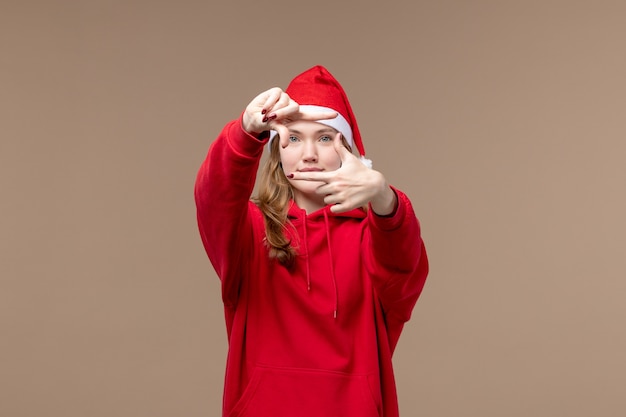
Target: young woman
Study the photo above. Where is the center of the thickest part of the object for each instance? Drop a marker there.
(320, 271)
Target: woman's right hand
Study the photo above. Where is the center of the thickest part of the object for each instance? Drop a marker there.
(272, 110)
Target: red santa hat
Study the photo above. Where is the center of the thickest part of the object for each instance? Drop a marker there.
(317, 91)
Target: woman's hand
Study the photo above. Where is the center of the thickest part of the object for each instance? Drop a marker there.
(352, 185)
(272, 110)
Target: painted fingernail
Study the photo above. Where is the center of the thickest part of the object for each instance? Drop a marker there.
(265, 119)
(289, 175)
(271, 116)
(263, 111)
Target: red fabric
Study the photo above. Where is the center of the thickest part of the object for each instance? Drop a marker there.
(288, 353)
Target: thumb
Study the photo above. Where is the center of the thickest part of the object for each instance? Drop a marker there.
(283, 133)
(339, 148)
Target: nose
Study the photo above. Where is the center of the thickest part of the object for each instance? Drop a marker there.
(309, 151)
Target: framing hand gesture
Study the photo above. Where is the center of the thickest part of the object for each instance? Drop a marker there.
(272, 109)
(352, 185)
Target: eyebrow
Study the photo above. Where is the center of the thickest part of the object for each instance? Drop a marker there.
(323, 130)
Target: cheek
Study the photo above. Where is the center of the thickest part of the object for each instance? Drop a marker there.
(286, 159)
(331, 159)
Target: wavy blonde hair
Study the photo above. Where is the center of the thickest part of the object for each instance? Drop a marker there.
(274, 193)
(273, 196)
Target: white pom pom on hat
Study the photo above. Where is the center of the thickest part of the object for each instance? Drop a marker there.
(316, 91)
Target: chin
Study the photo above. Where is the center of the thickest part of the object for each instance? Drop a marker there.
(309, 189)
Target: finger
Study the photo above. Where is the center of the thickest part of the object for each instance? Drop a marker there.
(311, 176)
(340, 208)
(337, 144)
(332, 199)
(283, 133)
(315, 116)
(324, 189)
(271, 98)
(285, 110)
(279, 105)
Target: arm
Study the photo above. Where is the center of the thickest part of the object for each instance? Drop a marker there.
(226, 179)
(396, 260)
(223, 187)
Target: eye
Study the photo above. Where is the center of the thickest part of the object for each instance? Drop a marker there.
(293, 139)
(326, 139)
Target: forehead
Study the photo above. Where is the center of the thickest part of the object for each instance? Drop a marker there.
(307, 126)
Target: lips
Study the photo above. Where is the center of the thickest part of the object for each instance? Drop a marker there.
(310, 170)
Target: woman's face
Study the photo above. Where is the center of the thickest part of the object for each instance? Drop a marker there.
(310, 148)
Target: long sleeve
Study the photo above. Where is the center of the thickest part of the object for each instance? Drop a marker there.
(397, 263)
(222, 192)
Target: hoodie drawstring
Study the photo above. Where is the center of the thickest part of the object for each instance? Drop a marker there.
(332, 269)
(330, 260)
(306, 254)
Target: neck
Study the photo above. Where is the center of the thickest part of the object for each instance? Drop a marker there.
(308, 204)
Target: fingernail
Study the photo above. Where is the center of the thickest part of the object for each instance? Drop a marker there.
(263, 111)
(271, 116)
(290, 176)
(265, 119)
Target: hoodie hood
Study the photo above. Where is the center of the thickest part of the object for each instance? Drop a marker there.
(312, 239)
(295, 212)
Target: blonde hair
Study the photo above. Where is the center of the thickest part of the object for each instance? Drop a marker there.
(274, 193)
(273, 196)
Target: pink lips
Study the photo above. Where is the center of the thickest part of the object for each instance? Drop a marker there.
(310, 170)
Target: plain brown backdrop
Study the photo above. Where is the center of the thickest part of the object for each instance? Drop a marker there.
(504, 121)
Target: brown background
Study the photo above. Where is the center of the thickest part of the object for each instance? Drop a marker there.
(504, 122)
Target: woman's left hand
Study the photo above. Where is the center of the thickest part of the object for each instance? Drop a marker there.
(352, 185)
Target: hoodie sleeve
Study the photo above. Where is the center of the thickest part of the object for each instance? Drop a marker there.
(396, 260)
(222, 192)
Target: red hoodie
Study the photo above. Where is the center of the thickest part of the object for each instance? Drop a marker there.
(314, 340)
